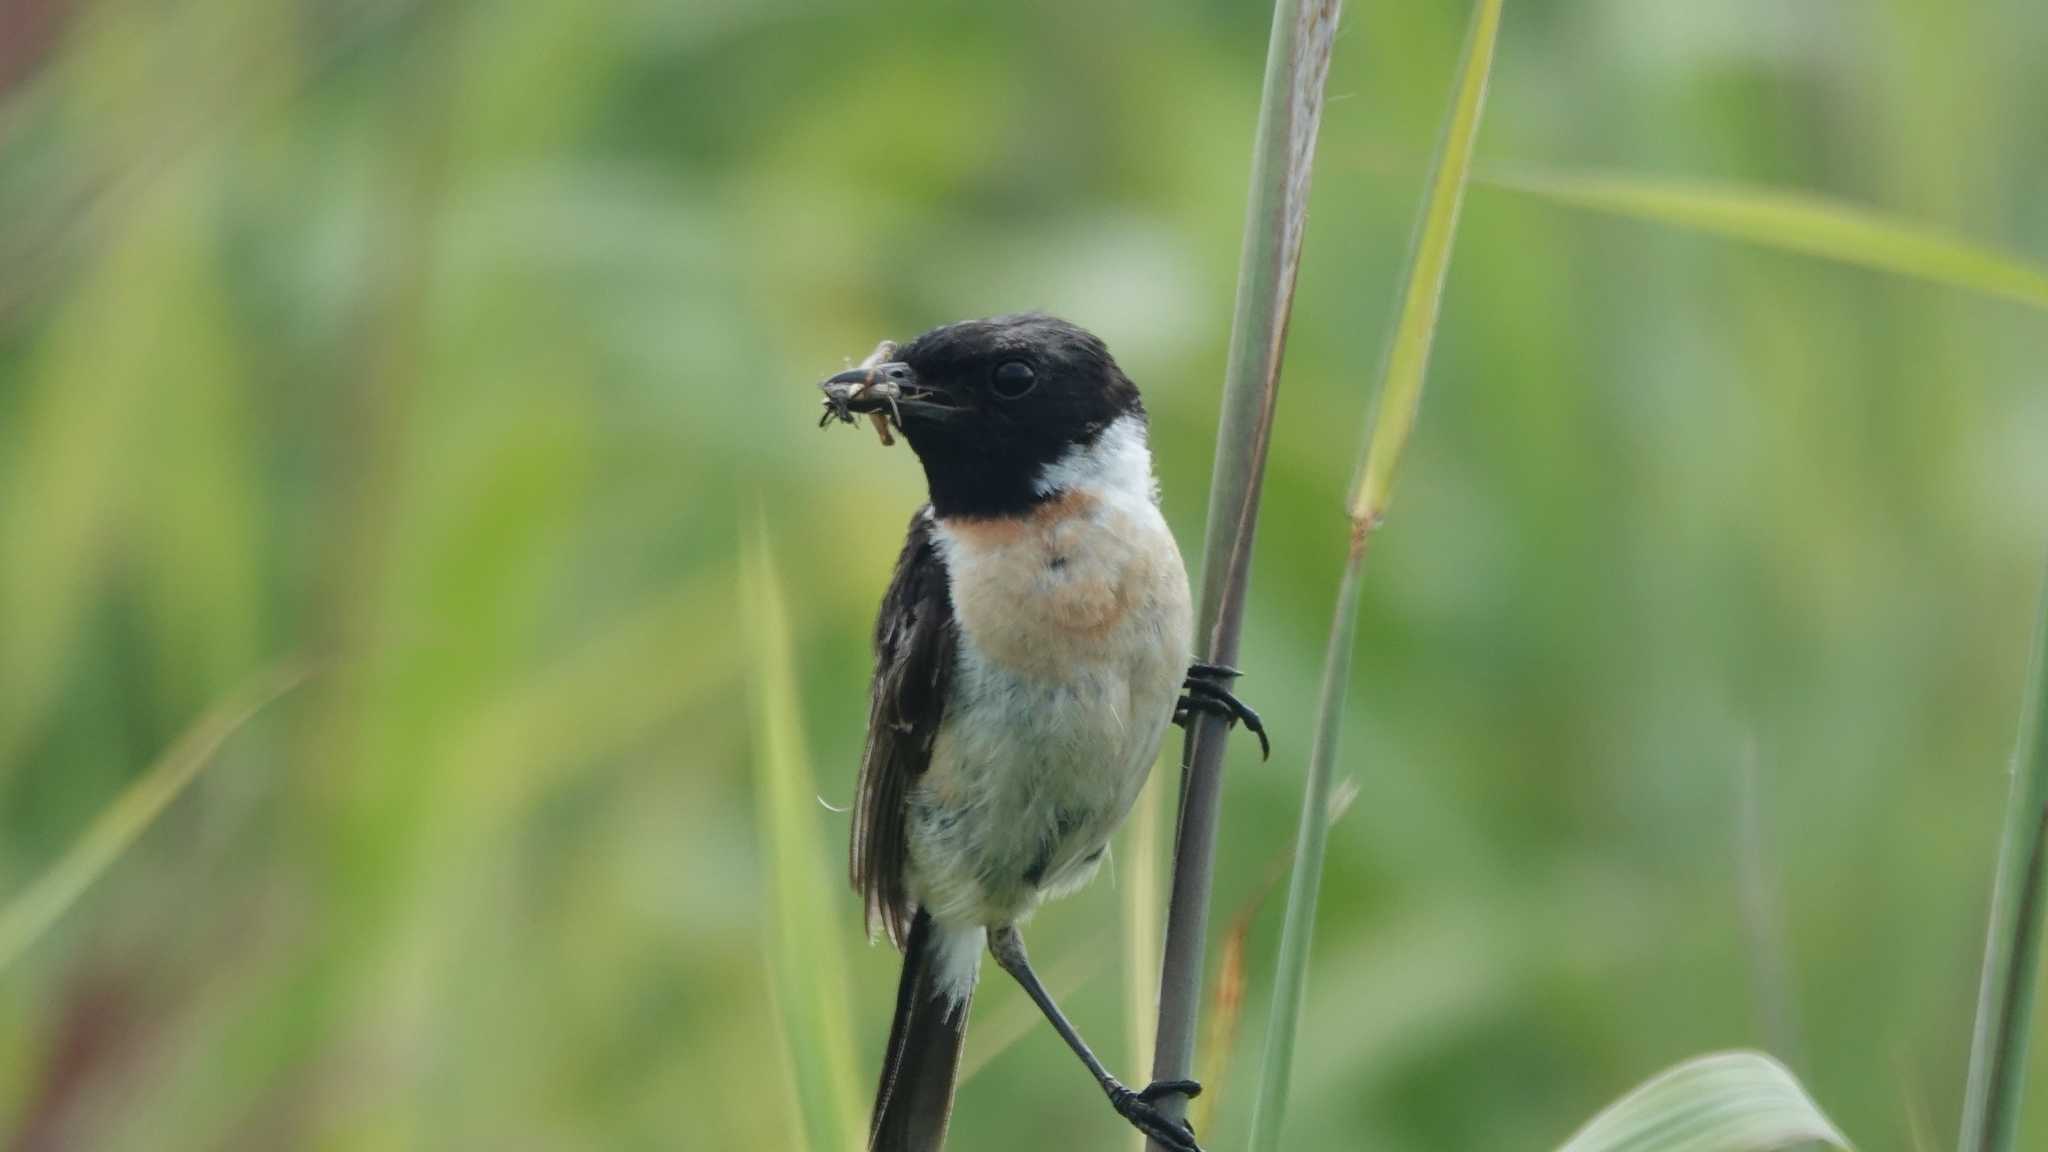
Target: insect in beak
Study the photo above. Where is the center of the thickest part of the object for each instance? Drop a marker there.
(873, 389)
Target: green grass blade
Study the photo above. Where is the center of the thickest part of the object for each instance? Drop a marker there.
(1226, 1010)
(1725, 1102)
(2012, 947)
(80, 418)
(1290, 977)
(1400, 396)
(808, 978)
(1793, 223)
(30, 914)
(1283, 156)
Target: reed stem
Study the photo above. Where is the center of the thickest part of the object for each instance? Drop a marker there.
(1399, 402)
(1297, 62)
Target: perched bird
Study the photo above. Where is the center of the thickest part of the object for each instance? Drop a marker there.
(1031, 651)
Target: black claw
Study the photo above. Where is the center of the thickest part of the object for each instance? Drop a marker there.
(1153, 1091)
(1206, 695)
(1203, 671)
(1139, 1109)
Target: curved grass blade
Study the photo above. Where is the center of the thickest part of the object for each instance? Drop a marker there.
(1792, 222)
(807, 976)
(1725, 1102)
(2012, 946)
(1400, 397)
(30, 914)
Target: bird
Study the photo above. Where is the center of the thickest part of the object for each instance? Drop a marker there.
(1033, 647)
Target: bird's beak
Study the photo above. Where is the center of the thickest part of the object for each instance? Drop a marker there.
(874, 388)
(878, 389)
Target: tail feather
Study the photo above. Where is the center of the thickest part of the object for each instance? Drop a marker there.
(915, 1098)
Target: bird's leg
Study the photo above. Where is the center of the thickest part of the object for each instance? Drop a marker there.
(1207, 689)
(1007, 946)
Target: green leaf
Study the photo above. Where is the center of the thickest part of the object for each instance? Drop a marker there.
(1792, 222)
(1400, 396)
(808, 971)
(1724, 1102)
(25, 918)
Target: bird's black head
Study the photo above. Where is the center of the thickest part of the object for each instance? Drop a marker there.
(988, 404)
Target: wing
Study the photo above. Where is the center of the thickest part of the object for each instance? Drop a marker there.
(915, 648)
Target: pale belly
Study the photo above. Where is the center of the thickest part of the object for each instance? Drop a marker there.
(1075, 637)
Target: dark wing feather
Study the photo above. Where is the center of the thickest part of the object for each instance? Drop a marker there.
(915, 648)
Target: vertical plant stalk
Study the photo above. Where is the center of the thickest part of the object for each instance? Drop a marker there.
(1283, 152)
(1400, 396)
(1226, 999)
(2012, 946)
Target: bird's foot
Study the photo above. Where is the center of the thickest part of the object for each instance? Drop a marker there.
(1141, 1109)
(1207, 689)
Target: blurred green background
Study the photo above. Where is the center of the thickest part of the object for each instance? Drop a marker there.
(462, 348)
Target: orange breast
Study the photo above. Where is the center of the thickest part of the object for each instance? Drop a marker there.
(1045, 592)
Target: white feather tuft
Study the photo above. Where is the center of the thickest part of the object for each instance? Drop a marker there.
(956, 961)
(1115, 462)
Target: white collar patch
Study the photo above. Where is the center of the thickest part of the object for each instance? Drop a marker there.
(1116, 461)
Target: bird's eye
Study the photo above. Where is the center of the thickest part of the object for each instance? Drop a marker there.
(1013, 378)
